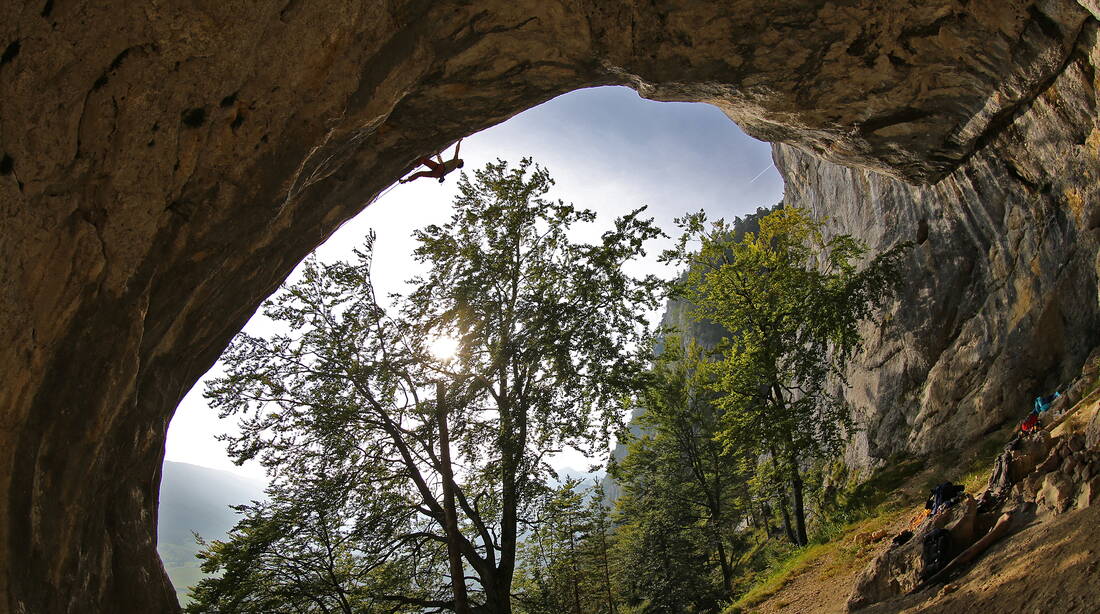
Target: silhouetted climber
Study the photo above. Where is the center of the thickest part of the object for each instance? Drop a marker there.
(439, 169)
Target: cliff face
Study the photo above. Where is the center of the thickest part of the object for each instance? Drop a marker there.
(1000, 299)
(164, 165)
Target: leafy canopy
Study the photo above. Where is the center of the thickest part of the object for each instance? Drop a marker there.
(443, 457)
(793, 300)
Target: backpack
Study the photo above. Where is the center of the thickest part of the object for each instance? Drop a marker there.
(936, 553)
(1031, 423)
(1043, 403)
(943, 497)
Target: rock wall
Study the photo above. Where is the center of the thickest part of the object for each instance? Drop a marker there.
(1000, 298)
(165, 164)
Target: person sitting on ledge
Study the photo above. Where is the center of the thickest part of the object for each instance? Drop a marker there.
(437, 168)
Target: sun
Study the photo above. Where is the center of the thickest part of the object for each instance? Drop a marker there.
(444, 348)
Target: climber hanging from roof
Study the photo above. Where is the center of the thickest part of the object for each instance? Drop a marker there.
(438, 168)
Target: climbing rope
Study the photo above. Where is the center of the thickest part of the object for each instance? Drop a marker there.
(384, 192)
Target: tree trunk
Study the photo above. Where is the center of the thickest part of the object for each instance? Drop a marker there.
(450, 515)
(497, 601)
(727, 570)
(576, 574)
(607, 572)
(786, 517)
(766, 517)
(799, 506)
(795, 474)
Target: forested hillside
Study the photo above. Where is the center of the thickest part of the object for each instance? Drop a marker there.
(677, 317)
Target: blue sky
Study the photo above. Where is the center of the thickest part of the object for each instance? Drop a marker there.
(608, 150)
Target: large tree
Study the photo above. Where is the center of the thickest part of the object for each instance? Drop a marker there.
(550, 338)
(793, 300)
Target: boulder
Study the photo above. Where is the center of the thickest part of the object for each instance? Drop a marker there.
(1052, 461)
(898, 570)
(1089, 493)
(961, 520)
(895, 571)
(1092, 467)
(1019, 459)
(1056, 493)
(1076, 443)
(1070, 463)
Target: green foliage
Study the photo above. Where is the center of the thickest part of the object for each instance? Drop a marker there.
(441, 457)
(318, 549)
(683, 495)
(793, 301)
(678, 317)
(868, 497)
(565, 563)
(731, 437)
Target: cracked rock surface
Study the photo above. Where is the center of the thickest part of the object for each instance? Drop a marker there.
(165, 164)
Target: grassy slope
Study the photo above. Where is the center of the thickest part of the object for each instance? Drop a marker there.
(886, 500)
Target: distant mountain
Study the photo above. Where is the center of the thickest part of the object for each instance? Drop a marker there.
(194, 498)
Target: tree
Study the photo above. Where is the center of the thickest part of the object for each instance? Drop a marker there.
(553, 564)
(683, 422)
(662, 543)
(600, 541)
(793, 301)
(566, 562)
(550, 336)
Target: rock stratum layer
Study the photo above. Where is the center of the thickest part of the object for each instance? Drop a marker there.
(164, 165)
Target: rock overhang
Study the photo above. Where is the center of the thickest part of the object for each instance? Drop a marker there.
(165, 166)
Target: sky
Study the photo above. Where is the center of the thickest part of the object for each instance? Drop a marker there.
(608, 150)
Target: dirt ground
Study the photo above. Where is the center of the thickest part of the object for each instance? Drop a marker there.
(818, 590)
(1051, 565)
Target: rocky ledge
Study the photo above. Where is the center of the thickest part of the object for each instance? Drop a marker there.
(1039, 475)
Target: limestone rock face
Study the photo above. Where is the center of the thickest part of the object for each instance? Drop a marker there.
(1000, 297)
(164, 165)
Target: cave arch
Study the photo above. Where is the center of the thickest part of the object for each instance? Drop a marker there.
(163, 168)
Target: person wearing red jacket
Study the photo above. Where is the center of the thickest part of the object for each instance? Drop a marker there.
(437, 168)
